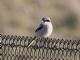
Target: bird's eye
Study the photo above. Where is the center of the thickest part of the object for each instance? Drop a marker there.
(47, 20)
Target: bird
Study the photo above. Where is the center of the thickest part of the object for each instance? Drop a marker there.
(44, 30)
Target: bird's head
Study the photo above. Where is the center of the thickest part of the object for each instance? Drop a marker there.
(46, 19)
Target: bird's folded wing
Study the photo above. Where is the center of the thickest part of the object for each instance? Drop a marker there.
(39, 28)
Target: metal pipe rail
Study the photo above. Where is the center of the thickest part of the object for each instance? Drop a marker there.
(15, 48)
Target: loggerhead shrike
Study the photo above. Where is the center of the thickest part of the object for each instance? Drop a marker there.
(44, 30)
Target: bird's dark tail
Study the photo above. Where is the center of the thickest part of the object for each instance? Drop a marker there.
(33, 40)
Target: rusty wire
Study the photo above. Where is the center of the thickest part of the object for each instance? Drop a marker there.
(15, 48)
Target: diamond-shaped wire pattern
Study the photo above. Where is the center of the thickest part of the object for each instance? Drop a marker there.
(15, 48)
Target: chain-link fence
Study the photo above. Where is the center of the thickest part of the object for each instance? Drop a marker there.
(15, 48)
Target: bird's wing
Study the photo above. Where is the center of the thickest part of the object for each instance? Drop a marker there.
(39, 28)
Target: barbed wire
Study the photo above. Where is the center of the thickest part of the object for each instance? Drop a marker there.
(15, 48)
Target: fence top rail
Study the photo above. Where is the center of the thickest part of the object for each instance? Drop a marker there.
(51, 43)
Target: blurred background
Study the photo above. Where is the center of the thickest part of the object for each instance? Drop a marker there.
(21, 17)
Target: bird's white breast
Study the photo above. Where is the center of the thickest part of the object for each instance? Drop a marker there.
(49, 29)
(46, 30)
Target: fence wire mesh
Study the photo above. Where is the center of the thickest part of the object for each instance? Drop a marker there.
(15, 48)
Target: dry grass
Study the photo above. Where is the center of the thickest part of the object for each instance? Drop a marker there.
(21, 17)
